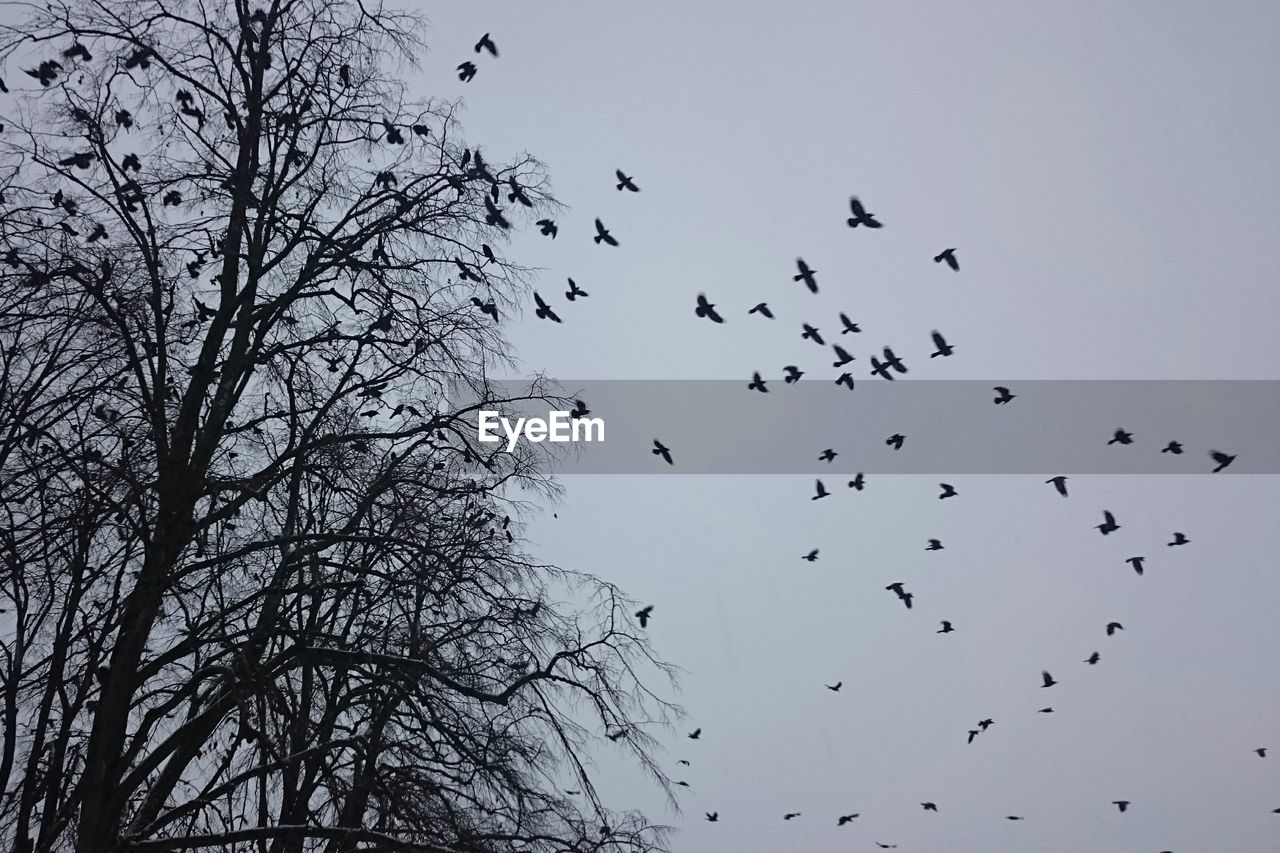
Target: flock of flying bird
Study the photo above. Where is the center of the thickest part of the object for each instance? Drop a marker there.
(883, 365)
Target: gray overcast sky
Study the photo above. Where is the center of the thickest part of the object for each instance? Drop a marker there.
(1108, 172)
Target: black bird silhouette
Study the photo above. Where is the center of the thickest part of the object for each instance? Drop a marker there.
(659, 449)
(948, 255)
(806, 275)
(948, 491)
(140, 58)
(46, 72)
(1093, 658)
(1172, 447)
(81, 160)
(1004, 395)
(895, 441)
(1121, 437)
(812, 556)
(580, 410)
(860, 215)
(1136, 562)
(812, 334)
(574, 291)
(986, 724)
(548, 228)
(757, 384)
(707, 309)
(493, 215)
(643, 615)
(603, 235)
(1178, 539)
(466, 71)
(1048, 679)
(929, 807)
(517, 193)
(845, 379)
(946, 627)
(1014, 817)
(849, 325)
(1045, 711)
(130, 161)
(973, 733)
(682, 761)
(842, 357)
(544, 311)
(891, 362)
(393, 135)
(790, 815)
(712, 816)
(77, 50)
(834, 688)
(934, 545)
(858, 482)
(625, 182)
(344, 75)
(843, 819)
(124, 118)
(883, 846)
(1262, 752)
(1222, 459)
(172, 198)
(763, 310)
(793, 374)
(486, 43)
(1060, 483)
(1108, 524)
(1121, 805)
(1112, 627)
(420, 130)
(942, 347)
(695, 734)
(486, 307)
(99, 231)
(820, 491)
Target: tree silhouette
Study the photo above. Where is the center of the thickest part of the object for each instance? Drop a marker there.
(261, 588)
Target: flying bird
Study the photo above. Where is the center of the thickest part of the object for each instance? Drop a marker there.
(659, 449)
(929, 807)
(948, 255)
(891, 361)
(1048, 679)
(763, 310)
(695, 734)
(942, 347)
(543, 311)
(757, 384)
(466, 72)
(1172, 447)
(77, 50)
(486, 307)
(1222, 459)
(858, 482)
(46, 72)
(1121, 437)
(1112, 627)
(973, 733)
(548, 228)
(827, 455)
(793, 374)
(849, 325)
(986, 724)
(845, 379)
(948, 491)
(1045, 711)
(625, 182)
(812, 334)
(790, 815)
(895, 441)
(1136, 562)
(843, 819)
(946, 628)
(643, 615)
(842, 357)
(1261, 751)
(707, 309)
(1108, 524)
(812, 556)
(1060, 483)
(574, 291)
(713, 816)
(1093, 659)
(1003, 395)
(934, 545)
(603, 235)
(860, 215)
(486, 43)
(806, 275)
(1178, 539)
(1121, 805)
(1014, 817)
(821, 491)
(834, 688)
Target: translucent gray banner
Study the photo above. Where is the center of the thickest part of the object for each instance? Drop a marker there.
(947, 427)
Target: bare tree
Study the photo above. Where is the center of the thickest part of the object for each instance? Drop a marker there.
(260, 586)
